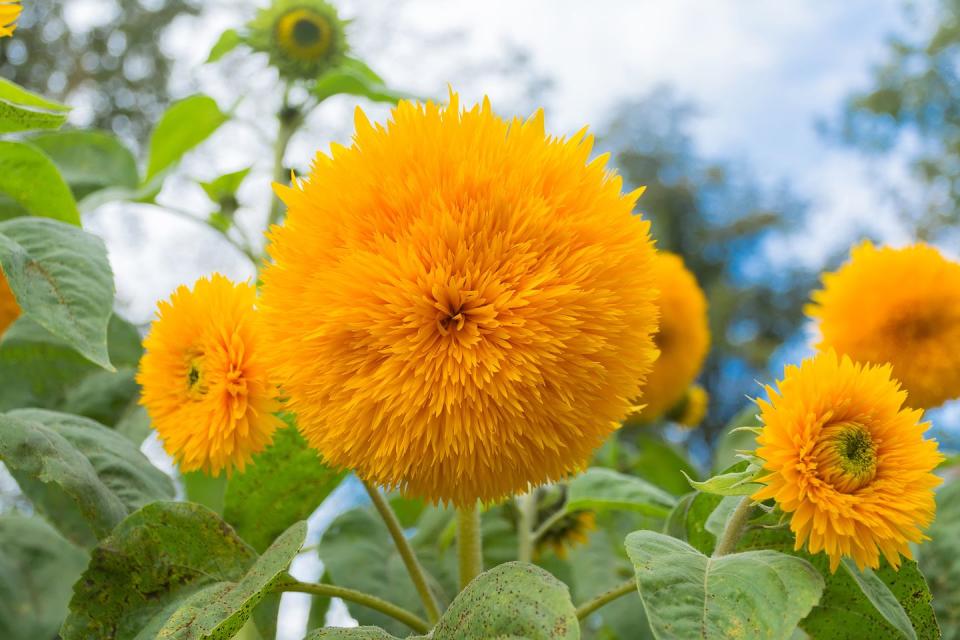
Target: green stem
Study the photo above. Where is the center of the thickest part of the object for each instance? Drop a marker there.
(412, 620)
(288, 127)
(414, 568)
(549, 522)
(590, 606)
(469, 544)
(734, 529)
(527, 507)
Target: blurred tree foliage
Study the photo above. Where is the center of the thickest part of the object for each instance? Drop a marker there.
(913, 109)
(116, 66)
(716, 216)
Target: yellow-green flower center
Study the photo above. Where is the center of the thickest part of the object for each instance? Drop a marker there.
(196, 386)
(304, 35)
(846, 456)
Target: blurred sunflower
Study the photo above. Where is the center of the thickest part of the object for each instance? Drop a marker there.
(9, 309)
(9, 12)
(204, 377)
(683, 337)
(900, 306)
(567, 532)
(303, 38)
(692, 409)
(460, 306)
(847, 460)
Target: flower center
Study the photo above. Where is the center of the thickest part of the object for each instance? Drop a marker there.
(452, 320)
(196, 386)
(846, 456)
(306, 32)
(304, 35)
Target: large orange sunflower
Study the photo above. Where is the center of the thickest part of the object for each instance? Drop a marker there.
(900, 306)
(458, 305)
(683, 336)
(204, 377)
(9, 12)
(847, 460)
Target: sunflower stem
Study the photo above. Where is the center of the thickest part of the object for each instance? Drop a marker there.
(289, 120)
(469, 544)
(527, 508)
(606, 597)
(412, 620)
(414, 568)
(734, 529)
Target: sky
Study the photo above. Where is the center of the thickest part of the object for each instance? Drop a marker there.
(762, 73)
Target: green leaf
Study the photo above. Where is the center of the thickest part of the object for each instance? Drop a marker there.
(31, 180)
(224, 186)
(353, 79)
(227, 42)
(89, 160)
(758, 594)
(22, 110)
(12, 92)
(219, 611)
(37, 571)
(83, 476)
(37, 369)
(940, 559)
(598, 489)
(355, 633)
(736, 483)
(205, 489)
(284, 484)
(150, 566)
(663, 464)
(134, 424)
(185, 125)
(698, 514)
(512, 601)
(883, 604)
(62, 279)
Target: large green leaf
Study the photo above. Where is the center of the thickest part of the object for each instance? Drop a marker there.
(185, 125)
(284, 484)
(599, 488)
(83, 476)
(21, 110)
(37, 571)
(217, 612)
(166, 563)
(31, 180)
(884, 604)
(89, 160)
(940, 559)
(355, 78)
(37, 369)
(662, 463)
(511, 601)
(758, 595)
(62, 279)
